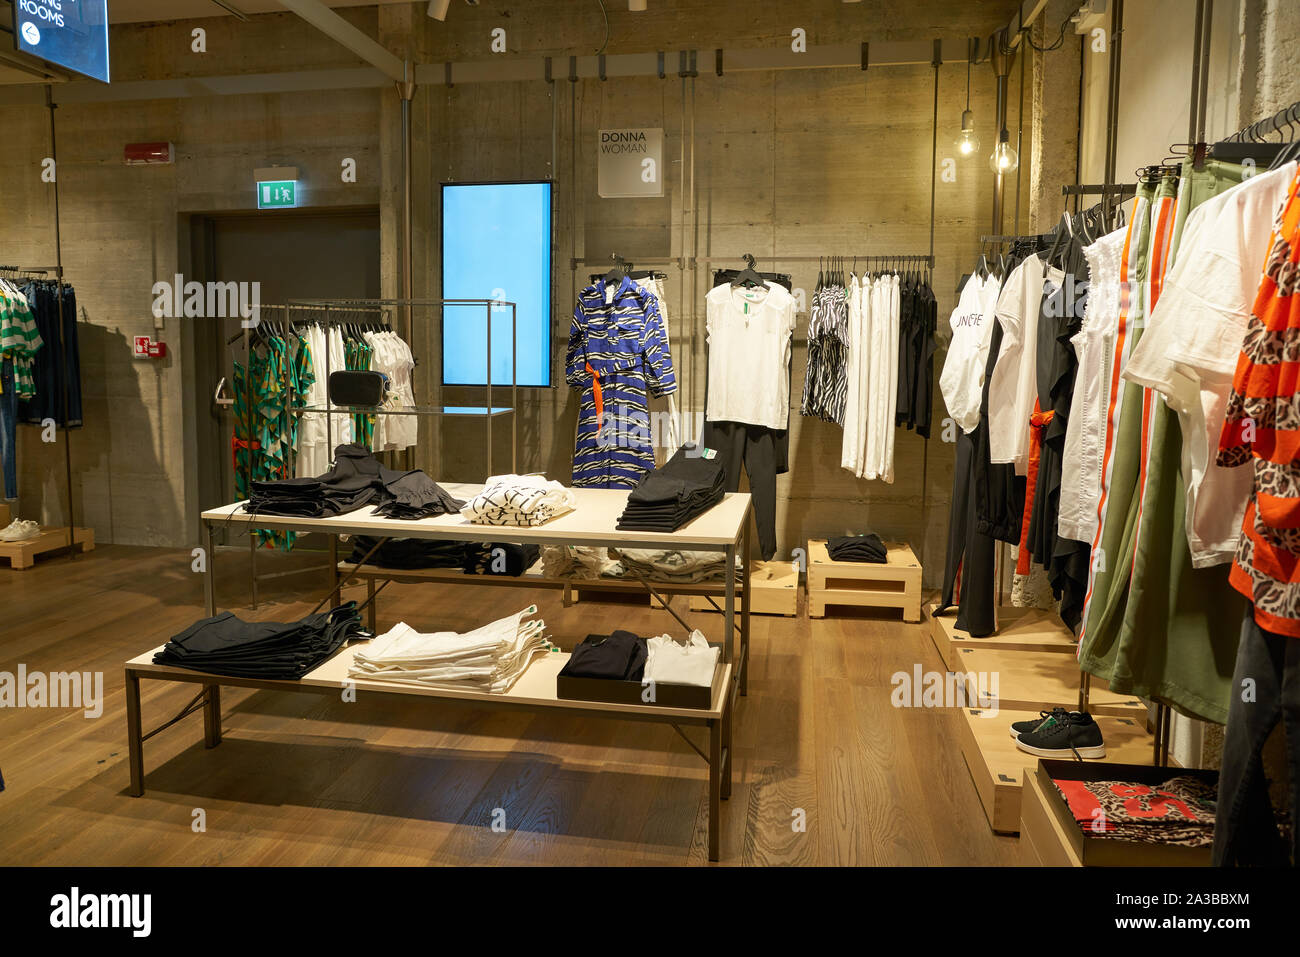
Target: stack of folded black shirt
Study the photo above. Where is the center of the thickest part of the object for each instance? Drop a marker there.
(408, 553)
(669, 497)
(473, 558)
(415, 496)
(226, 645)
(617, 657)
(356, 479)
(500, 558)
(857, 548)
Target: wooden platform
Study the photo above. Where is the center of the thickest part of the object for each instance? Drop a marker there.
(1019, 629)
(773, 585)
(22, 555)
(999, 768)
(1039, 681)
(894, 584)
(1043, 841)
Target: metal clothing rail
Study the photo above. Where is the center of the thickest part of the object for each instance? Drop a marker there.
(57, 273)
(1259, 131)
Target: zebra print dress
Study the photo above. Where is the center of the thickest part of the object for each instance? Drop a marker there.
(617, 354)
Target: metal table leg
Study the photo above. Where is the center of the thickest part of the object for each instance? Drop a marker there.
(745, 612)
(134, 734)
(335, 597)
(212, 716)
(727, 750)
(372, 616)
(729, 610)
(715, 790)
(210, 577)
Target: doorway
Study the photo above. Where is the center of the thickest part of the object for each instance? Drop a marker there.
(292, 254)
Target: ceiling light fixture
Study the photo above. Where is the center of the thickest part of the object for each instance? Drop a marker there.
(636, 6)
(438, 9)
(968, 143)
(1004, 159)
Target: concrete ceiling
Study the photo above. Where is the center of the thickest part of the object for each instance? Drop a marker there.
(141, 11)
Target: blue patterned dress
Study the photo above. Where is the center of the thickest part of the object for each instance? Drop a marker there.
(617, 354)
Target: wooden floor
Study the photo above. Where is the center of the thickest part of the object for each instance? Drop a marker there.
(826, 770)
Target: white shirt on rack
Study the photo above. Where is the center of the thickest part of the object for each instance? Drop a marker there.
(1083, 457)
(1188, 352)
(961, 380)
(749, 334)
(1014, 385)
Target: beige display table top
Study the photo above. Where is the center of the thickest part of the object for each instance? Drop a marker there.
(593, 522)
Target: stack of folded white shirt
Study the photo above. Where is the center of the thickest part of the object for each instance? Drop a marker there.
(673, 565)
(523, 500)
(579, 561)
(488, 659)
(672, 663)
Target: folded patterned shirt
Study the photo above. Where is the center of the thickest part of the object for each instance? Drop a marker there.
(523, 500)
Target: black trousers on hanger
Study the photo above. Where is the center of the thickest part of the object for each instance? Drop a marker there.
(760, 452)
(1245, 828)
(969, 549)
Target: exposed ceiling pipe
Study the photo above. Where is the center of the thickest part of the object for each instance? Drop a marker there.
(232, 10)
(335, 27)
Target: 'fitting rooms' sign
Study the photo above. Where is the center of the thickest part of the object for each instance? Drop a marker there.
(631, 163)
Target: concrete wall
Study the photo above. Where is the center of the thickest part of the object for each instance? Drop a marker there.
(791, 163)
(797, 163)
(122, 231)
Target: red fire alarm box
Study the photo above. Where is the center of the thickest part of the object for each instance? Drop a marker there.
(146, 348)
(149, 154)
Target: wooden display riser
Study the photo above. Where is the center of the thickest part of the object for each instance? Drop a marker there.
(1019, 629)
(22, 555)
(1039, 681)
(894, 584)
(1043, 841)
(773, 585)
(999, 768)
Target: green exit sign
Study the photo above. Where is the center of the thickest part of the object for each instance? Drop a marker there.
(280, 194)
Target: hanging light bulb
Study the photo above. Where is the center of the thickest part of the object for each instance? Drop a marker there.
(968, 143)
(1004, 158)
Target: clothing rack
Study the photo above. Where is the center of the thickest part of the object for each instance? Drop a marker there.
(246, 333)
(1259, 131)
(921, 258)
(1100, 189)
(57, 273)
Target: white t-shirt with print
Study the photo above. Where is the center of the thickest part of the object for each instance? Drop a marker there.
(961, 380)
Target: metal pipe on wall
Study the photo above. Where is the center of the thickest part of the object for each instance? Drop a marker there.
(1000, 59)
(60, 344)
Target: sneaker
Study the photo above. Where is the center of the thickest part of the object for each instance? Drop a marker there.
(19, 530)
(1024, 727)
(1074, 735)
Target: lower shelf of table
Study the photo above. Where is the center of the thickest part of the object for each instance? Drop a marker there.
(535, 687)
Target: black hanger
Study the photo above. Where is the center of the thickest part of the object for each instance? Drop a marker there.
(747, 276)
(618, 270)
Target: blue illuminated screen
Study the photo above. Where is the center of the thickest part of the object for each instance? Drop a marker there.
(70, 33)
(496, 244)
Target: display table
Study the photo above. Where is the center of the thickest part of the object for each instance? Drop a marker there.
(725, 528)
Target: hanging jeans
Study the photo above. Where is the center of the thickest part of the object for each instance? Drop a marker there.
(8, 429)
(1245, 830)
